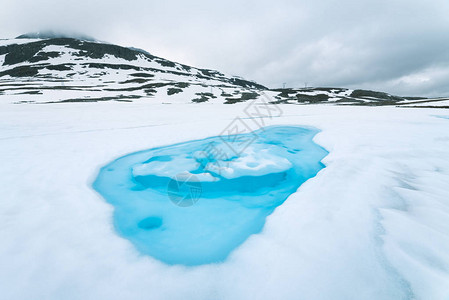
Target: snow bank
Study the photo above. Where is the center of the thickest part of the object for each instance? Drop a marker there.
(371, 225)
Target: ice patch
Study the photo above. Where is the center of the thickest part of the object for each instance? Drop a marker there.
(441, 117)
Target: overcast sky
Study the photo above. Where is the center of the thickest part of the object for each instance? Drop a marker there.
(397, 46)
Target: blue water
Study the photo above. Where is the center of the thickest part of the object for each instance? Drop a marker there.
(441, 117)
(193, 203)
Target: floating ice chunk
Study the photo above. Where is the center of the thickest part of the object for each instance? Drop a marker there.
(252, 163)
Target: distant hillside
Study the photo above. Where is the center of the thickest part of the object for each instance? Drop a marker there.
(48, 67)
(68, 69)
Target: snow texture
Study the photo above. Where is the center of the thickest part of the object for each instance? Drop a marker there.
(373, 224)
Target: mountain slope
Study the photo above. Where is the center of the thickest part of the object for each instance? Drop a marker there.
(340, 96)
(67, 69)
(47, 67)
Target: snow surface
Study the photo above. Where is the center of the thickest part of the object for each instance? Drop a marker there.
(372, 225)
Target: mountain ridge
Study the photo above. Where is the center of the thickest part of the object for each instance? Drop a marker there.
(45, 67)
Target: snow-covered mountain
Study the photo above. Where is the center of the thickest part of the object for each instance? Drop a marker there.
(50, 67)
(37, 68)
(339, 96)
